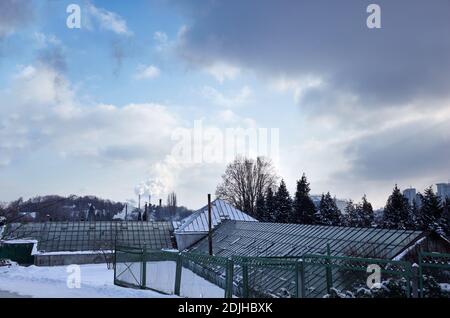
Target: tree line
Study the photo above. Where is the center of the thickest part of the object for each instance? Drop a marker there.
(251, 185)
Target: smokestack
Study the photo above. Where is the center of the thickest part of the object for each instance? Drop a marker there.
(160, 202)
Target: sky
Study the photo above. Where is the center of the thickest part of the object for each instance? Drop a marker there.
(116, 107)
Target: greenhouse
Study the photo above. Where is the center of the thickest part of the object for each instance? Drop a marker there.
(284, 239)
(93, 236)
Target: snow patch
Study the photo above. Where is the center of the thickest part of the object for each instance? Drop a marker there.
(96, 282)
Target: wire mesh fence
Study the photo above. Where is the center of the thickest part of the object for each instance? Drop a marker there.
(434, 275)
(334, 276)
(195, 275)
(260, 277)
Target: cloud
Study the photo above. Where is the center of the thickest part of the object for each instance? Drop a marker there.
(222, 71)
(54, 57)
(376, 101)
(162, 40)
(44, 40)
(238, 99)
(147, 72)
(407, 59)
(42, 114)
(41, 111)
(14, 15)
(414, 147)
(108, 20)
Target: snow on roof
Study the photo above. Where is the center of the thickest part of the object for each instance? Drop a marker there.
(23, 241)
(220, 210)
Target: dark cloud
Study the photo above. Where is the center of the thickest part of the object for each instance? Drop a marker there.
(14, 14)
(411, 151)
(53, 57)
(408, 58)
(122, 49)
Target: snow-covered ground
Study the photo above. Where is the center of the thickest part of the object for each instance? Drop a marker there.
(96, 282)
(161, 276)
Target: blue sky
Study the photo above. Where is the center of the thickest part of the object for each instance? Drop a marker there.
(93, 110)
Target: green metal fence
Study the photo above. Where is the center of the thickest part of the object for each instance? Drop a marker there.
(434, 275)
(267, 277)
(323, 274)
(182, 274)
(310, 276)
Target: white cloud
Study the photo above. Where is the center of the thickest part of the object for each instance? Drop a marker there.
(41, 111)
(42, 114)
(25, 72)
(240, 98)
(296, 86)
(108, 20)
(43, 40)
(162, 40)
(147, 72)
(222, 71)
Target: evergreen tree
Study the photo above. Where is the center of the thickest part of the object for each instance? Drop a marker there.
(396, 211)
(431, 210)
(445, 219)
(329, 213)
(351, 215)
(261, 208)
(365, 212)
(283, 202)
(304, 209)
(270, 215)
(414, 217)
(91, 213)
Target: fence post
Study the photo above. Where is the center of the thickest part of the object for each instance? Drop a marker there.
(178, 272)
(415, 280)
(114, 264)
(144, 268)
(245, 279)
(229, 279)
(421, 275)
(328, 270)
(300, 280)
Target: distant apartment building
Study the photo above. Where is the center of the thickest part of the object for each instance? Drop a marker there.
(410, 194)
(443, 190)
(340, 203)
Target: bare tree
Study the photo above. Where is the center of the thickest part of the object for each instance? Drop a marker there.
(244, 179)
(172, 203)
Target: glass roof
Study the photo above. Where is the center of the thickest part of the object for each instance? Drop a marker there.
(82, 236)
(278, 239)
(256, 239)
